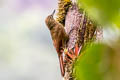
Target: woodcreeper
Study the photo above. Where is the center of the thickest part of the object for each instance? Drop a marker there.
(59, 37)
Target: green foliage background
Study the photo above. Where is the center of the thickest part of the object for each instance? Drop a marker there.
(98, 62)
(106, 12)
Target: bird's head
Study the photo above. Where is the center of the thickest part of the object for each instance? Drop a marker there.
(50, 20)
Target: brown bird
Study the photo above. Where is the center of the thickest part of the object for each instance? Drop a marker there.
(59, 37)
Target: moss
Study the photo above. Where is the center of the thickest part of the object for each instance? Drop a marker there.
(63, 6)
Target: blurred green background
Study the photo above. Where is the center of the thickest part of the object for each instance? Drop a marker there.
(105, 12)
(26, 51)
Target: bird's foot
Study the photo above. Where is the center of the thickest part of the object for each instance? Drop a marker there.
(72, 53)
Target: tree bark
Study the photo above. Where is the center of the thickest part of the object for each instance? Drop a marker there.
(80, 29)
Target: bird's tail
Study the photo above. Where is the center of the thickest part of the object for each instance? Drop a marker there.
(61, 64)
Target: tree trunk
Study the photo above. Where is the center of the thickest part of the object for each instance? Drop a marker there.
(80, 29)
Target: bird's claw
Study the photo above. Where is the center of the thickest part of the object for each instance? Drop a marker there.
(72, 53)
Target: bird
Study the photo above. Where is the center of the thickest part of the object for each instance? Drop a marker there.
(59, 37)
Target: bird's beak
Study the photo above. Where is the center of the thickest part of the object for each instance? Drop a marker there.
(53, 13)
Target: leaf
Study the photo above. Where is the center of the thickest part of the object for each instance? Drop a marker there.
(98, 62)
(105, 12)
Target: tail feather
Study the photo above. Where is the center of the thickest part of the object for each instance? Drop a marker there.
(61, 65)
